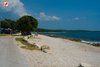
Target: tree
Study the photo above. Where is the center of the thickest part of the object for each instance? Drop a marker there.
(8, 24)
(5, 24)
(26, 24)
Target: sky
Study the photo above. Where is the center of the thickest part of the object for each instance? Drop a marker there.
(56, 14)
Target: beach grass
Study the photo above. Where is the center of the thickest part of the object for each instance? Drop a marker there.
(96, 45)
(72, 39)
(27, 45)
(3, 34)
(75, 39)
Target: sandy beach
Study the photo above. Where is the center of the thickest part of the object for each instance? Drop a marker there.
(62, 53)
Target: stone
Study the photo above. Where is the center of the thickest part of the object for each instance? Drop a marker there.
(84, 65)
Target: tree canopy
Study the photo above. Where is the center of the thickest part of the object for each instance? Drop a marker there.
(25, 24)
(7, 23)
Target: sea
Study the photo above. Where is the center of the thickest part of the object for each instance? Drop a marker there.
(84, 36)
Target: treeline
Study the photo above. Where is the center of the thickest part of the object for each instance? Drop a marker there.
(52, 30)
(7, 23)
(25, 25)
(48, 30)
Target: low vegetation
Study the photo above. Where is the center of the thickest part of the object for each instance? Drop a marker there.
(49, 30)
(27, 45)
(75, 39)
(3, 34)
(96, 45)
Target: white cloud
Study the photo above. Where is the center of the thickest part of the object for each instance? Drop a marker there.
(76, 18)
(15, 6)
(45, 17)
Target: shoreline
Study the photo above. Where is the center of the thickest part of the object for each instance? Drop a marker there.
(88, 36)
(88, 42)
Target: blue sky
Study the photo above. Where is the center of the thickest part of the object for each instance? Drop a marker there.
(61, 14)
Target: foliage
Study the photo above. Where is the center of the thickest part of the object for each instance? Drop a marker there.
(3, 34)
(48, 30)
(26, 24)
(7, 23)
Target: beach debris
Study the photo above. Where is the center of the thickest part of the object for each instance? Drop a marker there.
(84, 65)
(45, 48)
(80, 65)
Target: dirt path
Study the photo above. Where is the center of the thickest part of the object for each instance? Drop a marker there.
(10, 56)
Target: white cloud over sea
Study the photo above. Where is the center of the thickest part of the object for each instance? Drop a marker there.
(76, 18)
(43, 16)
(15, 6)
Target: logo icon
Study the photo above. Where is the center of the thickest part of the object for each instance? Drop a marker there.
(6, 3)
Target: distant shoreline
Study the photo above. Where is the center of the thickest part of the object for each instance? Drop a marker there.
(62, 30)
(75, 35)
(93, 43)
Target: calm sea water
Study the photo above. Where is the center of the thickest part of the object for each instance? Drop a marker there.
(89, 36)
